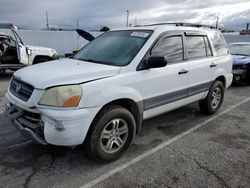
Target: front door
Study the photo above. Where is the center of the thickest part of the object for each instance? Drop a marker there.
(165, 88)
(22, 53)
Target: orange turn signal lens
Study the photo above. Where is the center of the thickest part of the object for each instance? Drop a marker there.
(72, 101)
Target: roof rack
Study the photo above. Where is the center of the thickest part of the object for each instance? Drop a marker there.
(180, 24)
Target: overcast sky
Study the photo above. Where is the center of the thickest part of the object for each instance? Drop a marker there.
(91, 14)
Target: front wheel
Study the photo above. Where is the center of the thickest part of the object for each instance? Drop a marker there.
(214, 98)
(2, 71)
(111, 134)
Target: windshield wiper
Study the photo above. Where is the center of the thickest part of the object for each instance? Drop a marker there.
(94, 61)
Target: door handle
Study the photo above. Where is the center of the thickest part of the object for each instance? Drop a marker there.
(183, 71)
(213, 65)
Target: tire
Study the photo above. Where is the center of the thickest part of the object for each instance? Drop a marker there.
(213, 101)
(2, 71)
(39, 60)
(248, 76)
(101, 143)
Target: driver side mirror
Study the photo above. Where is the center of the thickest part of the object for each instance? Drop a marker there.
(155, 62)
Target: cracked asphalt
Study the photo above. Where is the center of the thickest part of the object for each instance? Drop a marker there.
(215, 155)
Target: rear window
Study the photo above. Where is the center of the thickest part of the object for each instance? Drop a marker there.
(220, 44)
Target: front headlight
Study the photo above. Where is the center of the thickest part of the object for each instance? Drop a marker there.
(62, 96)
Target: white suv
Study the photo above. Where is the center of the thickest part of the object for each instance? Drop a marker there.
(101, 95)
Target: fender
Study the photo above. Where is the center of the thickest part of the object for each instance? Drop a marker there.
(100, 98)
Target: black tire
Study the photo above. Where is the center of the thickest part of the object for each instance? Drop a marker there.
(248, 76)
(207, 105)
(94, 145)
(2, 71)
(39, 60)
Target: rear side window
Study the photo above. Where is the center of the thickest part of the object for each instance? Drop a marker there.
(171, 48)
(220, 44)
(196, 47)
(208, 47)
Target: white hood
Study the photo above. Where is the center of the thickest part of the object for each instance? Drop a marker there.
(63, 72)
(39, 48)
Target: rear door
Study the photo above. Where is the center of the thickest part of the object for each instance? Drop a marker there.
(200, 60)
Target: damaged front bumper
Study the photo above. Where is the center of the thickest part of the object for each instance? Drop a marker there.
(27, 123)
(61, 127)
(238, 75)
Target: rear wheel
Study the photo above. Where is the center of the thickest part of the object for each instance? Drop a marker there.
(214, 98)
(112, 133)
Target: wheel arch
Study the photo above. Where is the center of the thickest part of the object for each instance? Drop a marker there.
(48, 58)
(135, 108)
(222, 79)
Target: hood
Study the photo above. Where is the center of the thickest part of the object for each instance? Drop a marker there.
(241, 60)
(39, 48)
(63, 72)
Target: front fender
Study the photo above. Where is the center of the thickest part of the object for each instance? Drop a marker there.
(36, 53)
(102, 97)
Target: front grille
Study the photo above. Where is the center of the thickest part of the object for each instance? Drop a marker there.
(21, 89)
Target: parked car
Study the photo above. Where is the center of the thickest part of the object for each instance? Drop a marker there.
(15, 54)
(101, 95)
(241, 61)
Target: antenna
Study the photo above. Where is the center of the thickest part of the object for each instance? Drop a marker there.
(47, 20)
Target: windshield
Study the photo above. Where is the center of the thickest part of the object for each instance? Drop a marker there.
(240, 49)
(116, 48)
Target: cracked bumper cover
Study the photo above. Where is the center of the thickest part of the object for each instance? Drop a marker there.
(15, 114)
(75, 123)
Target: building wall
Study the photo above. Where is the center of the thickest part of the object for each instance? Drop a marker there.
(67, 41)
(237, 38)
(62, 41)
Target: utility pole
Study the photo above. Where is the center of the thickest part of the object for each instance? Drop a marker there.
(217, 22)
(47, 20)
(127, 18)
(247, 28)
(135, 21)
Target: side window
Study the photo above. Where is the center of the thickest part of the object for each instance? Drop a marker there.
(208, 47)
(220, 44)
(171, 48)
(196, 47)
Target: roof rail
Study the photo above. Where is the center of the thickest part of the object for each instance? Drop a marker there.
(180, 24)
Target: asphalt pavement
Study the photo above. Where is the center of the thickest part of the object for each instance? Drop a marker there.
(182, 148)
